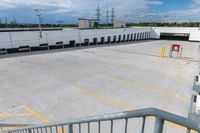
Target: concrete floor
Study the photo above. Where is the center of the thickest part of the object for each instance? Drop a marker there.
(42, 87)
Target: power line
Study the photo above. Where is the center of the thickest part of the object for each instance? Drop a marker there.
(98, 14)
(107, 17)
(112, 15)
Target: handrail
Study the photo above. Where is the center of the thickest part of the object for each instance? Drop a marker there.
(160, 115)
(14, 125)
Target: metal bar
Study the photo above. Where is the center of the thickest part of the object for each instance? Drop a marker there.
(99, 127)
(45, 129)
(51, 130)
(126, 125)
(79, 126)
(70, 128)
(62, 129)
(185, 122)
(33, 130)
(88, 127)
(111, 126)
(143, 124)
(159, 125)
(56, 129)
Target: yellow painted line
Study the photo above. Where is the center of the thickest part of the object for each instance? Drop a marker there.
(114, 103)
(107, 100)
(40, 117)
(29, 109)
(147, 87)
(13, 115)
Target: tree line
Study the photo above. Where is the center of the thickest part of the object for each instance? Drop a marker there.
(36, 25)
(148, 24)
(164, 24)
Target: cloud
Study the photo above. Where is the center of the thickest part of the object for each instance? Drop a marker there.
(75, 8)
(60, 6)
(6, 4)
(189, 13)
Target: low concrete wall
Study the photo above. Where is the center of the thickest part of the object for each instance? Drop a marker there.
(31, 38)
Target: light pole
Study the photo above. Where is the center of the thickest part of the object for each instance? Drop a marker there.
(39, 16)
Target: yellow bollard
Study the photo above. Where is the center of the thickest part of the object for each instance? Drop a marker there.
(162, 52)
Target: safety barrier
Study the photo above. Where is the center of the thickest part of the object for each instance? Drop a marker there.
(161, 118)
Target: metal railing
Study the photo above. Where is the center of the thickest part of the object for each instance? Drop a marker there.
(161, 117)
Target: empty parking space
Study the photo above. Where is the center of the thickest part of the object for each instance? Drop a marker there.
(70, 84)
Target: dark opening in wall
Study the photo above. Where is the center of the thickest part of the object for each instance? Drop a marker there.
(127, 38)
(72, 43)
(14, 50)
(95, 42)
(143, 36)
(108, 40)
(124, 38)
(102, 40)
(131, 37)
(114, 39)
(44, 46)
(175, 36)
(138, 36)
(119, 39)
(134, 37)
(60, 44)
(86, 42)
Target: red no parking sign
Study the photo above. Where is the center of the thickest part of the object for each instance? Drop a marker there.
(176, 47)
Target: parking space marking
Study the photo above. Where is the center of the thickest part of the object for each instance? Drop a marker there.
(30, 110)
(146, 87)
(114, 103)
(13, 115)
(105, 99)
(10, 113)
(40, 117)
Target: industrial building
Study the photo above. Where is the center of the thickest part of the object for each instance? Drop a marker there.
(86, 23)
(74, 80)
(119, 24)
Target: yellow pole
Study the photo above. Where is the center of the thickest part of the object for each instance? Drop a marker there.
(162, 52)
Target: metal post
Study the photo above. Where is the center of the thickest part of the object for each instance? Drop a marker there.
(143, 124)
(29, 131)
(70, 128)
(126, 125)
(111, 128)
(79, 125)
(47, 38)
(158, 125)
(11, 41)
(38, 11)
(99, 126)
(181, 52)
(88, 127)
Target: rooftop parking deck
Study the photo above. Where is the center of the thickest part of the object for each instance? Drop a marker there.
(41, 87)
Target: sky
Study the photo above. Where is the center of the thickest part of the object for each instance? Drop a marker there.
(128, 10)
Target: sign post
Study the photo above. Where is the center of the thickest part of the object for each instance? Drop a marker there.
(176, 48)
